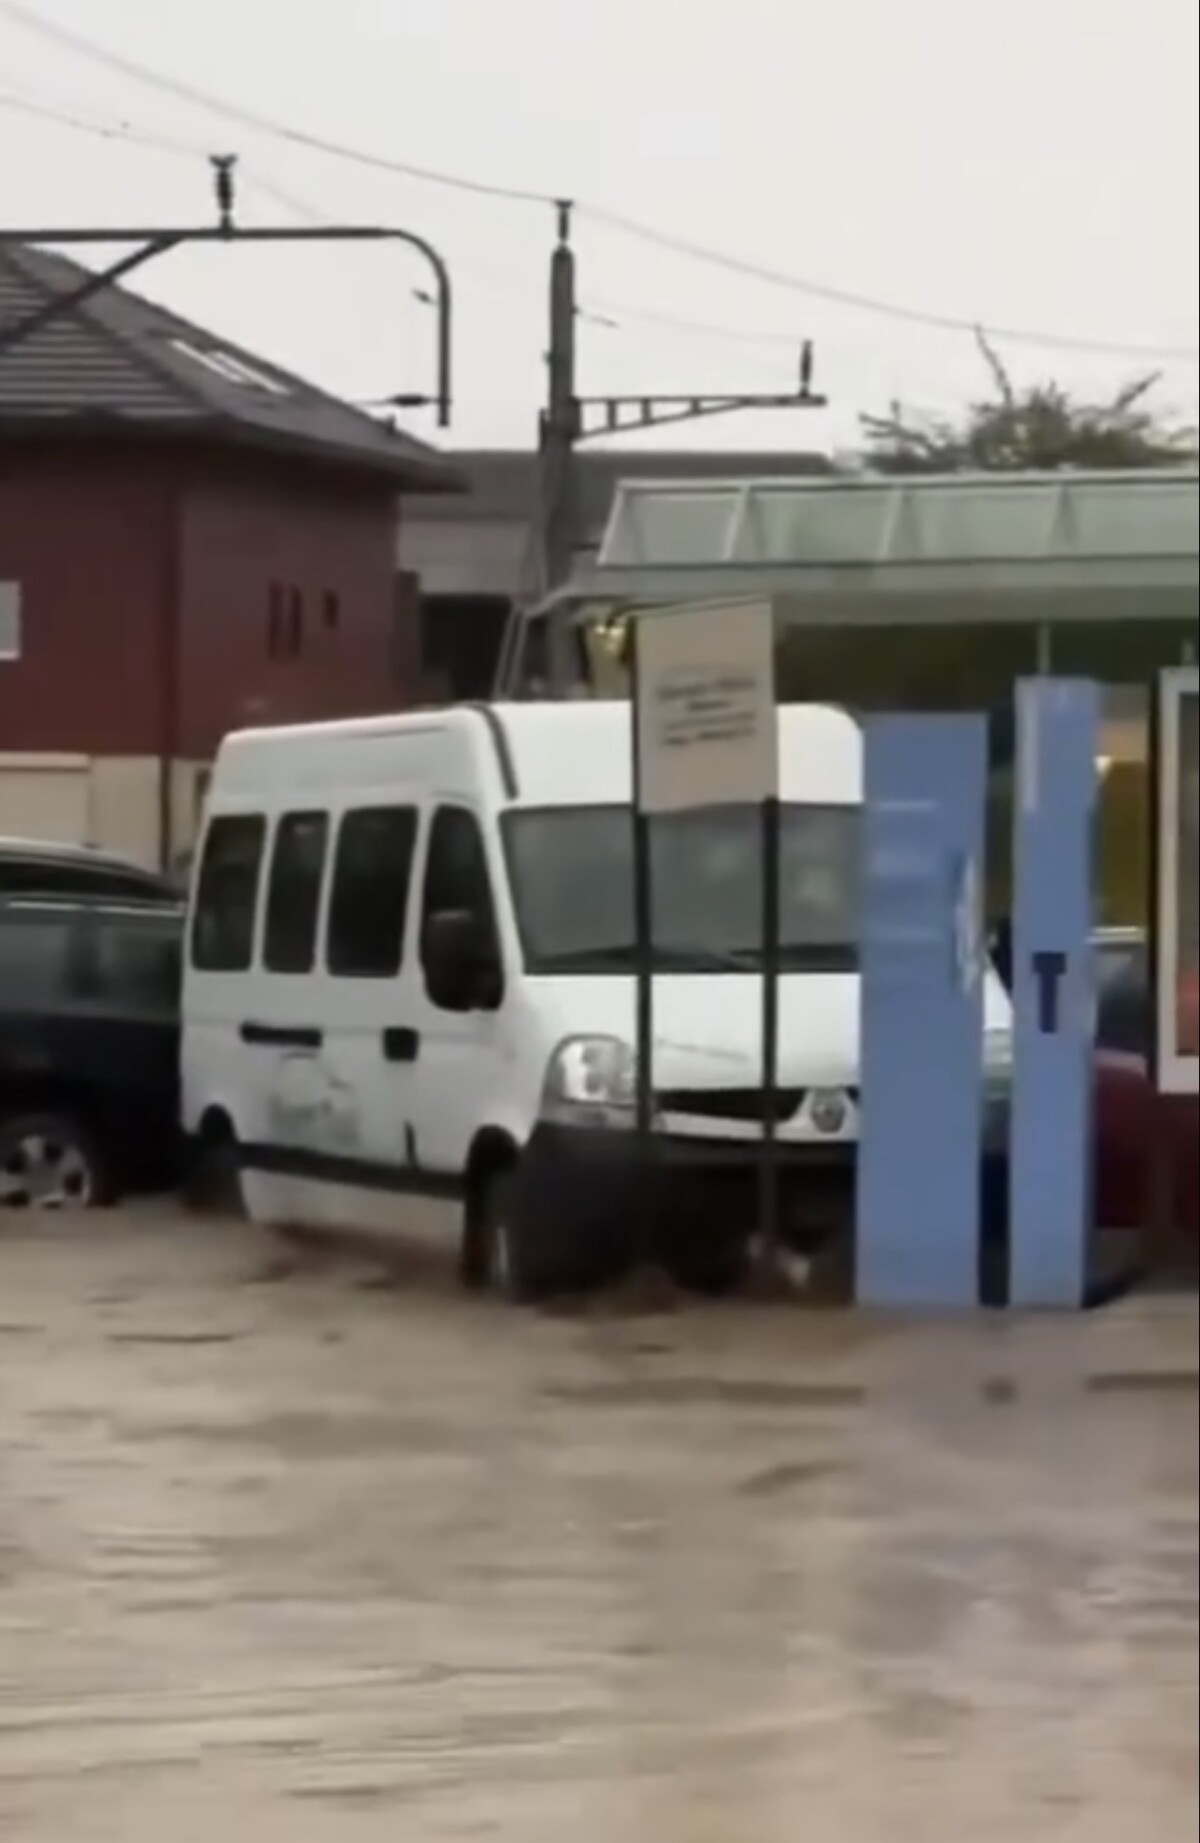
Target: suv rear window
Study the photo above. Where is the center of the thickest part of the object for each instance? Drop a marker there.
(132, 962)
(34, 955)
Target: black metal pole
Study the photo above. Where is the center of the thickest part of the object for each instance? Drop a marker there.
(61, 304)
(157, 241)
(643, 934)
(768, 1205)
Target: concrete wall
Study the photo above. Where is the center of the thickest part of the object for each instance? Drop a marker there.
(466, 557)
(112, 801)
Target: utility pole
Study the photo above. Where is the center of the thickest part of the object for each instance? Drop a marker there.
(151, 243)
(568, 420)
(560, 420)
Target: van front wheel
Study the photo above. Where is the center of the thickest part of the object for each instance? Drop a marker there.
(500, 1253)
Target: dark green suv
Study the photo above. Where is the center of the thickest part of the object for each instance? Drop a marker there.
(89, 1049)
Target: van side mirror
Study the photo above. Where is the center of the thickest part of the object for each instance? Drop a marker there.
(462, 972)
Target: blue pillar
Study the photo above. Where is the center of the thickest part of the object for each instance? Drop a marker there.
(1058, 734)
(918, 1205)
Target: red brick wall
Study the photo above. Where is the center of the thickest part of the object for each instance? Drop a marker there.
(87, 536)
(287, 601)
(106, 544)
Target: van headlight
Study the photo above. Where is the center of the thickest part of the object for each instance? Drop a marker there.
(829, 1111)
(591, 1081)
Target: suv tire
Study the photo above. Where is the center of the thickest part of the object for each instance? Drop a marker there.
(50, 1160)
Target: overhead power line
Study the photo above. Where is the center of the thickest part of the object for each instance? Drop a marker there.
(609, 314)
(57, 115)
(90, 49)
(178, 87)
(892, 310)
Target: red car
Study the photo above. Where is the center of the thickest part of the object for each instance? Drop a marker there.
(1189, 1014)
(1136, 1126)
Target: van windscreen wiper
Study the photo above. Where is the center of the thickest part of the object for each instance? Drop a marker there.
(669, 957)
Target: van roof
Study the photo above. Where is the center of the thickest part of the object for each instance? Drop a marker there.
(559, 753)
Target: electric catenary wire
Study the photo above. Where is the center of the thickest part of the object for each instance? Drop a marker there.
(90, 49)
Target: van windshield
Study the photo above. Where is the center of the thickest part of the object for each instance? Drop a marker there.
(571, 873)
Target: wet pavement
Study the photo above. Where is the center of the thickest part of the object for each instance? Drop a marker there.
(297, 1549)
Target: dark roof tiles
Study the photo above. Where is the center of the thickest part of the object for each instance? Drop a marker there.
(117, 355)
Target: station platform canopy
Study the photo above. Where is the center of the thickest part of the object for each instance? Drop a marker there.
(912, 551)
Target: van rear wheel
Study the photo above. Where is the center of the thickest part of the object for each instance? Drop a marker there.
(212, 1183)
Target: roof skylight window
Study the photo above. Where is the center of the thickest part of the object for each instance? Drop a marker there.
(232, 370)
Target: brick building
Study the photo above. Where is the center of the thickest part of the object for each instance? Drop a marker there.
(190, 540)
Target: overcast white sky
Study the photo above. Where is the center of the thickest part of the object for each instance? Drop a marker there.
(1022, 163)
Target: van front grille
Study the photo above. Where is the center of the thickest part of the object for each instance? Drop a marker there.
(742, 1104)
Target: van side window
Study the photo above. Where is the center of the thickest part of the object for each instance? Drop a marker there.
(372, 872)
(227, 894)
(294, 893)
(457, 880)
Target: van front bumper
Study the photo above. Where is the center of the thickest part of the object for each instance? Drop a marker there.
(611, 1193)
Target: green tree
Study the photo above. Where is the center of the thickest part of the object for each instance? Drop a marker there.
(1036, 428)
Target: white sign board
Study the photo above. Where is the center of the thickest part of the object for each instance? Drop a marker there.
(704, 707)
(1177, 932)
(10, 620)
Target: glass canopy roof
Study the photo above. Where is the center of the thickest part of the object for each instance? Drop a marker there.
(967, 547)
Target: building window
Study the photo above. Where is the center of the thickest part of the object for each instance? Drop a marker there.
(459, 639)
(369, 905)
(276, 618)
(294, 893)
(10, 621)
(285, 621)
(227, 894)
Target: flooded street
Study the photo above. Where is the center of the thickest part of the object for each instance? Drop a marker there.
(299, 1550)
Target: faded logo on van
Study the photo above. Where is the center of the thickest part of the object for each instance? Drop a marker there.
(309, 1106)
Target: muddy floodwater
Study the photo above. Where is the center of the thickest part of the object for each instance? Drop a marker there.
(298, 1549)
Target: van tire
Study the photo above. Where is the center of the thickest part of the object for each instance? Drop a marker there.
(212, 1181)
(500, 1254)
(715, 1268)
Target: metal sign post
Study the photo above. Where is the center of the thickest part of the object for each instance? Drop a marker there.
(706, 734)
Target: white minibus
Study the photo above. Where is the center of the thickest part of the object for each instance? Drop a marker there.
(411, 972)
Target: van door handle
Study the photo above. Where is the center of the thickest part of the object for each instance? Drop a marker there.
(400, 1045)
(282, 1036)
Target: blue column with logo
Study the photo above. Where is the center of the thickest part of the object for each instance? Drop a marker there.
(1051, 1148)
(918, 1201)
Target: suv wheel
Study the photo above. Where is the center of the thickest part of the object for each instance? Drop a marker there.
(49, 1161)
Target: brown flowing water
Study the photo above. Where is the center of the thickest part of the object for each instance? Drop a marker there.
(301, 1549)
